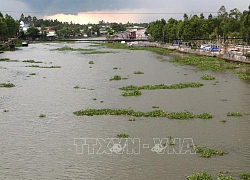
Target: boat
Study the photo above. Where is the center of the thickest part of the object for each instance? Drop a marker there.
(25, 43)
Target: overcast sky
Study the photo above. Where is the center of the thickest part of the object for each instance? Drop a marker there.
(75, 10)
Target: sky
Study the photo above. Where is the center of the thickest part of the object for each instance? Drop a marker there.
(93, 11)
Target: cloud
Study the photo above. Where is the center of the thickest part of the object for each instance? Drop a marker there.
(73, 10)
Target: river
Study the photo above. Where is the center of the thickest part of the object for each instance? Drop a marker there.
(45, 148)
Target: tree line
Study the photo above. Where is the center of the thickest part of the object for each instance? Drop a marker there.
(8, 27)
(232, 24)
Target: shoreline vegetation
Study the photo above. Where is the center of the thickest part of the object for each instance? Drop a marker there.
(200, 61)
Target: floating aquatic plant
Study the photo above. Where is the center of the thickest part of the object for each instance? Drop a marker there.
(207, 77)
(42, 115)
(138, 72)
(132, 93)
(207, 153)
(32, 74)
(7, 85)
(131, 119)
(32, 61)
(116, 78)
(91, 62)
(181, 115)
(163, 86)
(199, 176)
(122, 135)
(234, 114)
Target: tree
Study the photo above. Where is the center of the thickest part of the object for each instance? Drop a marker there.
(3, 29)
(32, 32)
(12, 26)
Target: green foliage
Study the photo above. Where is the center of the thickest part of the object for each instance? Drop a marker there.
(221, 176)
(132, 93)
(138, 72)
(199, 176)
(7, 85)
(234, 114)
(245, 176)
(181, 115)
(32, 61)
(204, 62)
(32, 74)
(163, 86)
(91, 62)
(205, 116)
(122, 135)
(119, 112)
(42, 115)
(207, 77)
(131, 119)
(208, 153)
(44, 67)
(6, 110)
(244, 75)
(116, 78)
(4, 59)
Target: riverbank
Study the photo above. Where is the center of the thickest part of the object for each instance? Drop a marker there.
(226, 55)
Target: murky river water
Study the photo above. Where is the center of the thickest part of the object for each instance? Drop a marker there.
(43, 148)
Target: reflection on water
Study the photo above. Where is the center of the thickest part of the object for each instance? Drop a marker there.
(35, 148)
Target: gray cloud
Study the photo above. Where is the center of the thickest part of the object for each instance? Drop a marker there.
(50, 7)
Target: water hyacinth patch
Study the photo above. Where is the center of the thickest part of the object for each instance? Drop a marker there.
(32, 61)
(163, 86)
(245, 176)
(116, 78)
(208, 153)
(205, 116)
(199, 176)
(119, 112)
(204, 62)
(91, 62)
(132, 93)
(7, 85)
(234, 114)
(42, 115)
(181, 115)
(138, 72)
(122, 135)
(207, 77)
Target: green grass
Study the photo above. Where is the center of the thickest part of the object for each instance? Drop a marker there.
(132, 93)
(163, 86)
(7, 85)
(116, 78)
(138, 72)
(32, 61)
(204, 62)
(207, 77)
(42, 115)
(122, 135)
(199, 176)
(234, 114)
(208, 153)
